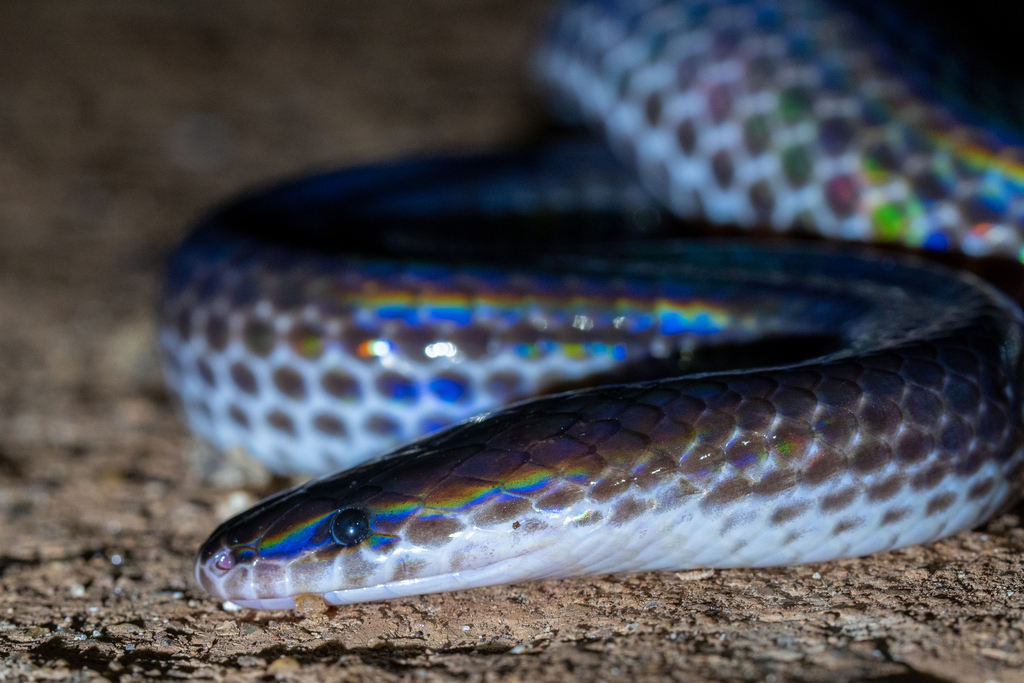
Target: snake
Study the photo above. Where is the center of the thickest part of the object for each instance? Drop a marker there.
(561, 382)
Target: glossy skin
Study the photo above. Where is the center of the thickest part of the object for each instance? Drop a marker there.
(906, 427)
(908, 432)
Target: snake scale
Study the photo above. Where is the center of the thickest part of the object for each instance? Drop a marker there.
(416, 307)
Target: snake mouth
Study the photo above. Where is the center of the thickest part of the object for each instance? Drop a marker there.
(238, 574)
(538, 565)
(215, 566)
(233, 570)
(212, 566)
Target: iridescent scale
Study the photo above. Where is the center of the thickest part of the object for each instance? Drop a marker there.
(366, 355)
(313, 362)
(330, 319)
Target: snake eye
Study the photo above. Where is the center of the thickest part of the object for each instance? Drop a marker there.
(350, 527)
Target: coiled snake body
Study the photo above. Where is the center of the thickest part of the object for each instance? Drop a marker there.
(337, 317)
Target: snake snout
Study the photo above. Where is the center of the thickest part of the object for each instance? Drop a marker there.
(214, 563)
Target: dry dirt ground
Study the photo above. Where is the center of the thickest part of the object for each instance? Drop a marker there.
(120, 121)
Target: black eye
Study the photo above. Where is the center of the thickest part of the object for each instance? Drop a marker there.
(350, 527)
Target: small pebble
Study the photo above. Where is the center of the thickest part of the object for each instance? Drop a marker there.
(249, 629)
(695, 575)
(229, 606)
(310, 604)
(283, 664)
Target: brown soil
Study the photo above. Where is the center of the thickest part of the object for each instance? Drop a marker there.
(120, 121)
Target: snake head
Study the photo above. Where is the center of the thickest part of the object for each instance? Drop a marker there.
(383, 530)
(287, 545)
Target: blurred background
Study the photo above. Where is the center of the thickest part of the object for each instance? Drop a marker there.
(120, 121)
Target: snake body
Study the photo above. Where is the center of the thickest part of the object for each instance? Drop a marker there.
(336, 317)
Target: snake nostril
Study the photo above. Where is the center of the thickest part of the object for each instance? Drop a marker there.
(350, 527)
(223, 560)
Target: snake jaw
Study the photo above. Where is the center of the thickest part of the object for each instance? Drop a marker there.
(219, 571)
(272, 585)
(241, 575)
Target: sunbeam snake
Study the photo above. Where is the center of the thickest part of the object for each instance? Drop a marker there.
(338, 317)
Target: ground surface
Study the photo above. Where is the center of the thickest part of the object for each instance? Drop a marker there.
(121, 121)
